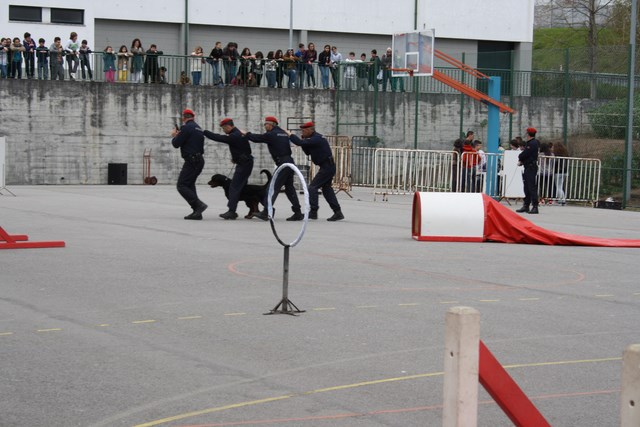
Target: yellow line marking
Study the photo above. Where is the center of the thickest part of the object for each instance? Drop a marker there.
(234, 314)
(143, 321)
(323, 308)
(449, 302)
(408, 304)
(212, 410)
(189, 317)
(604, 295)
(488, 300)
(103, 325)
(366, 306)
(49, 330)
(355, 385)
(636, 293)
(528, 299)
(4, 334)
(562, 362)
(366, 383)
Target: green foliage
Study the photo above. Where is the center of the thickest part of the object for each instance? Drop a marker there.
(613, 171)
(610, 120)
(551, 45)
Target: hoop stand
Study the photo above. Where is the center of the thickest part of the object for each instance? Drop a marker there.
(287, 305)
(7, 190)
(2, 183)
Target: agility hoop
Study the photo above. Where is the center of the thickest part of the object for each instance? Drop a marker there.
(285, 306)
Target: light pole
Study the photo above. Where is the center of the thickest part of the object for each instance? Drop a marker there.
(290, 24)
(630, 100)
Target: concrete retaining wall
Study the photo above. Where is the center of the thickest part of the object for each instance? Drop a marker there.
(68, 132)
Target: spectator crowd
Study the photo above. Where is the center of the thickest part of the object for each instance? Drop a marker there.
(306, 66)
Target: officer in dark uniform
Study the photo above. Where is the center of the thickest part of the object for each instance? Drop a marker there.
(190, 140)
(241, 156)
(529, 159)
(277, 141)
(315, 145)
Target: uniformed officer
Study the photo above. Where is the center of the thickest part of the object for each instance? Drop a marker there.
(315, 145)
(240, 155)
(277, 141)
(190, 140)
(529, 159)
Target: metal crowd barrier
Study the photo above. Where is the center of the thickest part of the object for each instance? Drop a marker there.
(341, 149)
(570, 179)
(398, 171)
(560, 179)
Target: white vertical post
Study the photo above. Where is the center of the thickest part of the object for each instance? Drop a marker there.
(630, 392)
(461, 364)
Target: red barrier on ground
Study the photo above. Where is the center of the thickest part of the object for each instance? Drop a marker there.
(503, 225)
(20, 241)
(506, 393)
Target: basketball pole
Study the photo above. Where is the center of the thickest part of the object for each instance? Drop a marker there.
(493, 134)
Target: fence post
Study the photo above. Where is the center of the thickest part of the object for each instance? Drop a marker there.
(565, 101)
(461, 367)
(630, 392)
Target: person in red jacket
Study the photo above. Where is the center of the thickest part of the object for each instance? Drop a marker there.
(470, 160)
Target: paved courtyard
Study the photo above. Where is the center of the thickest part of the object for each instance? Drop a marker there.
(145, 319)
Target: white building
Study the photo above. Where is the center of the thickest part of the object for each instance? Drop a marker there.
(356, 25)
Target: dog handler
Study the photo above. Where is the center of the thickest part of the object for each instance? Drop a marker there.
(277, 141)
(529, 159)
(190, 140)
(315, 145)
(241, 156)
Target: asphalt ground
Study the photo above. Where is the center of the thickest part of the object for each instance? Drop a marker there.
(146, 319)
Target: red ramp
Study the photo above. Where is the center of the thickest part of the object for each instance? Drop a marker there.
(503, 225)
(476, 217)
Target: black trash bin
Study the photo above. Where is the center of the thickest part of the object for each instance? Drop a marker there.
(117, 174)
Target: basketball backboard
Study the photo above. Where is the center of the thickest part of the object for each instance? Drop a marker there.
(413, 51)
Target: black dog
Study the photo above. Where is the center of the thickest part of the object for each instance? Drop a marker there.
(252, 194)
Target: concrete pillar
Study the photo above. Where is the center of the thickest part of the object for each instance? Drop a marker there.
(461, 363)
(630, 392)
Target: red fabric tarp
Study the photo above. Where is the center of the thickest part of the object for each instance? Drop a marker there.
(503, 225)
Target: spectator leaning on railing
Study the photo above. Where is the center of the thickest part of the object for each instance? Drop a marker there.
(245, 69)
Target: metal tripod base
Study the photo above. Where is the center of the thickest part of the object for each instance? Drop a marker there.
(7, 190)
(287, 306)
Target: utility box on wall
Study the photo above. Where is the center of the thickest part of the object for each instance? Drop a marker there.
(117, 174)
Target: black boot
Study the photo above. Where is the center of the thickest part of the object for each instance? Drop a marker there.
(194, 215)
(534, 210)
(229, 215)
(337, 216)
(313, 214)
(297, 216)
(263, 215)
(523, 209)
(200, 207)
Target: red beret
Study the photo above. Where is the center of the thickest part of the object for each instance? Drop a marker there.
(271, 119)
(226, 121)
(532, 131)
(189, 112)
(308, 125)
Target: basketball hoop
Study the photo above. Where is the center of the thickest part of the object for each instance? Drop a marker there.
(403, 70)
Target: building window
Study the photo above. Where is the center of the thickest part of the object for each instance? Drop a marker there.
(25, 13)
(67, 16)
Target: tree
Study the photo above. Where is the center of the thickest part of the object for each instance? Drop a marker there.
(619, 20)
(592, 15)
